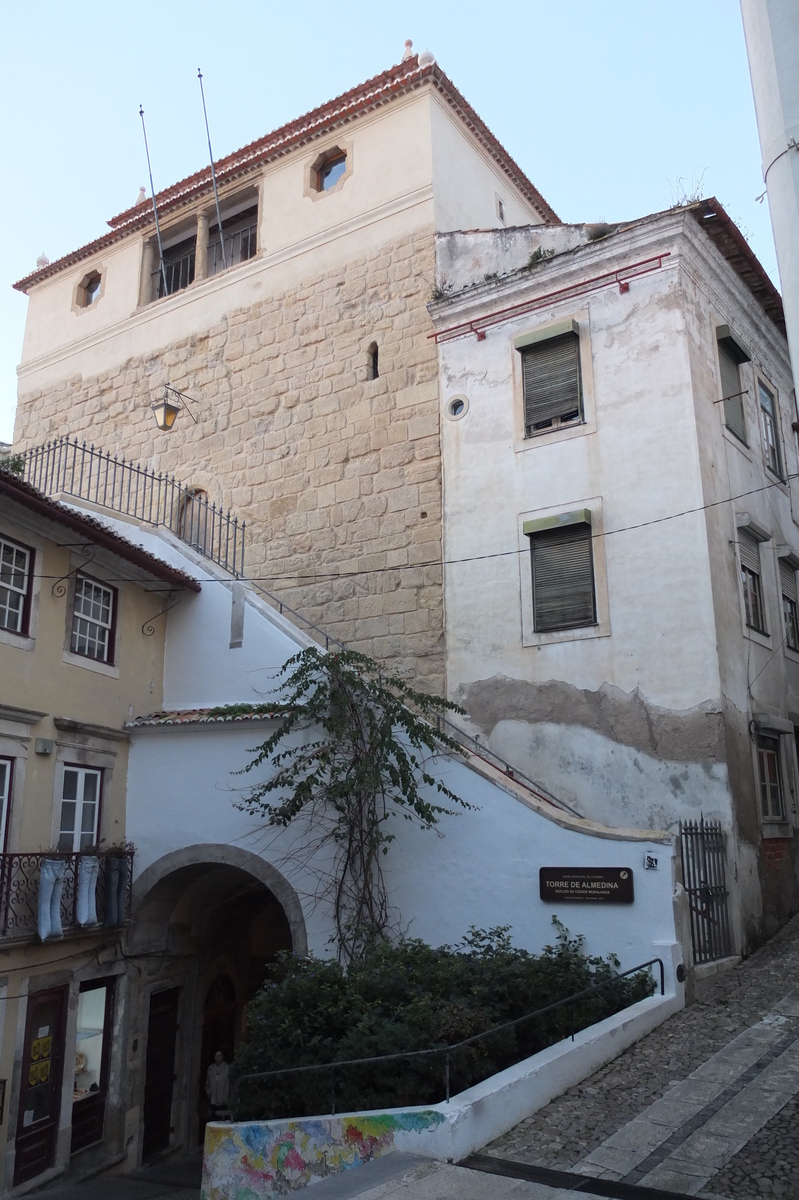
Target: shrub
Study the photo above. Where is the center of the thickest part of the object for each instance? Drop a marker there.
(407, 996)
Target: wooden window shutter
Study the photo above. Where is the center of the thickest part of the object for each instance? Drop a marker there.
(788, 581)
(563, 578)
(551, 375)
(749, 551)
(729, 365)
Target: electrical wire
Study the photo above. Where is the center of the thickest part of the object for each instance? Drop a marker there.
(451, 562)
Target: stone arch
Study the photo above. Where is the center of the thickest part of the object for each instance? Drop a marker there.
(226, 856)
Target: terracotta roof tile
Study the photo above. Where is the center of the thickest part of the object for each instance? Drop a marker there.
(372, 94)
(94, 531)
(201, 716)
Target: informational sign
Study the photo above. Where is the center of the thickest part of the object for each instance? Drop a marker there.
(593, 885)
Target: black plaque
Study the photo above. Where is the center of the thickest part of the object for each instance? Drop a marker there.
(592, 885)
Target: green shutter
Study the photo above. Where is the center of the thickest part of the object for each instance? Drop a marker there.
(551, 374)
(563, 578)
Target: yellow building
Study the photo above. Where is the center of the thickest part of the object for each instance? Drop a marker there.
(81, 649)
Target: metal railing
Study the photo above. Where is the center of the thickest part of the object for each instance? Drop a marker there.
(704, 879)
(177, 274)
(448, 1051)
(239, 246)
(95, 892)
(74, 468)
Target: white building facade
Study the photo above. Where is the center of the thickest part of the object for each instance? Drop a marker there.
(620, 529)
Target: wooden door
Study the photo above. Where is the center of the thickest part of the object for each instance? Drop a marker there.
(159, 1082)
(40, 1084)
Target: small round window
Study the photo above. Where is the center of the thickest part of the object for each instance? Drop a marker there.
(457, 407)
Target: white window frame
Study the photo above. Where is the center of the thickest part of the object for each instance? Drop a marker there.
(7, 543)
(77, 834)
(6, 785)
(770, 421)
(770, 817)
(94, 626)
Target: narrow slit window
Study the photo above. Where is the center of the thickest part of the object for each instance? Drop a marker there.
(372, 363)
(552, 384)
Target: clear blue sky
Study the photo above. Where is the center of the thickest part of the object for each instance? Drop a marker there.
(606, 104)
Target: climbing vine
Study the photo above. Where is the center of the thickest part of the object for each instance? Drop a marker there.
(351, 753)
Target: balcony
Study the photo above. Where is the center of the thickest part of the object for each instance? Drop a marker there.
(44, 897)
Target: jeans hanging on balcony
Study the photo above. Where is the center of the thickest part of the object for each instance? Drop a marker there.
(116, 890)
(51, 885)
(86, 908)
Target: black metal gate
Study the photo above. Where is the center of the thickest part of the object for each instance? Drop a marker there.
(704, 879)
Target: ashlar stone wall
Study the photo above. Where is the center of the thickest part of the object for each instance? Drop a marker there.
(338, 476)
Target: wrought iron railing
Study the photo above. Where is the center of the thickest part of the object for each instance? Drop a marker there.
(74, 468)
(239, 246)
(446, 1054)
(45, 895)
(703, 851)
(176, 275)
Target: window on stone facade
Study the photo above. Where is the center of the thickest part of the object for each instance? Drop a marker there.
(80, 808)
(178, 270)
(751, 583)
(731, 356)
(563, 577)
(770, 427)
(772, 806)
(16, 583)
(789, 605)
(93, 620)
(551, 382)
(372, 365)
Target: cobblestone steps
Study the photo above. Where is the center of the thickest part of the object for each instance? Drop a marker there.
(701, 1106)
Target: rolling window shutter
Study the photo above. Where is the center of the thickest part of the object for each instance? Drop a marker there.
(749, 551)
(563, 578)
(788, 581)
(551, 373)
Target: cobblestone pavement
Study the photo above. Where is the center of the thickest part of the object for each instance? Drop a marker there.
(730, 1009)
(768, 1165)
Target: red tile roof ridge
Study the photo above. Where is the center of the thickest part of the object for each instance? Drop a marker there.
(374, 92)
(20, 492)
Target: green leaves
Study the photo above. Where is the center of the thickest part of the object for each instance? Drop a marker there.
(352, 750)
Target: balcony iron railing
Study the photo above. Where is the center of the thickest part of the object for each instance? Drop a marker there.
(239, 246)
(74, 468)
(47, 895)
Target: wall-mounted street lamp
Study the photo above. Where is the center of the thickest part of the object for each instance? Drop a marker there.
(166, 410)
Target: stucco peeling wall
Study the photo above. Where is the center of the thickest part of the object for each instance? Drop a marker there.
(613, 755)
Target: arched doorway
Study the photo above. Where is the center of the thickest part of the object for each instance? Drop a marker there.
(206, 924)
